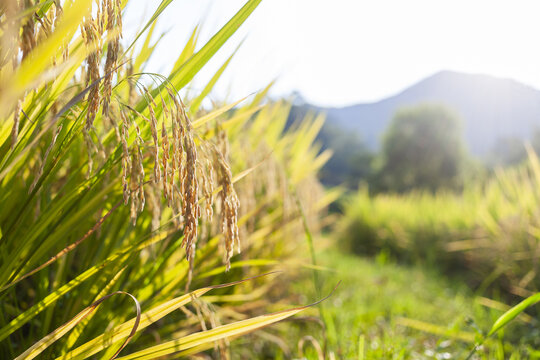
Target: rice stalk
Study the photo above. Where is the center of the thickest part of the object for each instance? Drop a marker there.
(137, 188)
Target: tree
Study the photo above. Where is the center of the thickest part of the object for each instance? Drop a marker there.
(422, 148)
(351, 159)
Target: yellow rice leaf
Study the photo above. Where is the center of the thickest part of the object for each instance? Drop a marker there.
(44, 343)
(188, 50)
(210, 336)
(149, 317)
(39, 61)
(214, 114)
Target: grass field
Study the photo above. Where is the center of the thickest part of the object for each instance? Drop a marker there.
(383, 310)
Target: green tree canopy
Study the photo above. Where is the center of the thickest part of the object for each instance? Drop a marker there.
(422, 148)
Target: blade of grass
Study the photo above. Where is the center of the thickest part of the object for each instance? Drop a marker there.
(64, 251)
(149, 317)
(64, 289)
(511, 314)
(44, 343)
(162, 6)
(221, 332)
(185, 74)
(35, 65)
(214, 114)
(196, 103)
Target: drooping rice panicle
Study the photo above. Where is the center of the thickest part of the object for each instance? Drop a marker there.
(154, 130)
(28, 37)
(114, 26)
(92, 37)
(16, 123)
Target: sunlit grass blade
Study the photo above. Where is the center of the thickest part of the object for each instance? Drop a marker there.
(79, 329)
(196, 103)
(188, 50)
(35, 65)
(186, 72)
(504, 319)
(149, 317)
(64, 289)
(64, 251)
(208, 337)
(62, 111)
(436, 329)
(146, 49)
(513, 312)
(214, 114)
(162, 6)
(240, 264)
(41, 345)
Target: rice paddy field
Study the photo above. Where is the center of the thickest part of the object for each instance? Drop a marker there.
(140, 220)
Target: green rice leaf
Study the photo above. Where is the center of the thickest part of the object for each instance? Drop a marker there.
(513, 312)
(185, 74)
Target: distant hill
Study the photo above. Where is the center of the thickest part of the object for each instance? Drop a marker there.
(491, 109)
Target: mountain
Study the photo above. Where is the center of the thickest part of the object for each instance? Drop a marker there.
(491, 108)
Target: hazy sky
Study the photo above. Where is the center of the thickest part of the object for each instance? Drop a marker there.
(347, 51)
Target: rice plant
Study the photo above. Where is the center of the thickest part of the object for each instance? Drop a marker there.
(130, 214)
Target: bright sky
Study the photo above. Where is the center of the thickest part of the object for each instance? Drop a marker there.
(343, 52)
